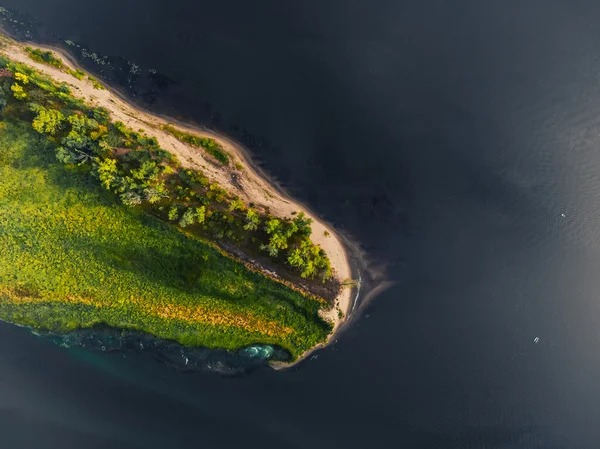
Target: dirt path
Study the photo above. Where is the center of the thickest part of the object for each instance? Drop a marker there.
(254, 188)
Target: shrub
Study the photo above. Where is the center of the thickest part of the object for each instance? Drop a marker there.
(45, 57)
(211, 146)
(18, 92)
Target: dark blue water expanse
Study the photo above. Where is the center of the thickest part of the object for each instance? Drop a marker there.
(457, 142)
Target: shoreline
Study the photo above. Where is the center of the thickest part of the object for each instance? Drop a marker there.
(252, 184)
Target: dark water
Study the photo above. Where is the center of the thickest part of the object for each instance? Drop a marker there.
(447, 138)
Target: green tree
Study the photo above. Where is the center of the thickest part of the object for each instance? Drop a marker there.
(217, 192)
(303, 224)
(131, 198)
(76, 148)
(156, 192)
(107, 172)
(173, 213)
(66, 156)
(22, 77)
(201, 214)
(295, 258)
(46, 121)
(309, 269)
(252, 220)
(18, 92)
(101, 115)
(272, 226)
(278, 240)
(82, 124)
(188, 218)
(273, 252)
(147, 173)
(236, 204)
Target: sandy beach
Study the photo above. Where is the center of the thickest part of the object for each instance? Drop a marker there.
(248, 184)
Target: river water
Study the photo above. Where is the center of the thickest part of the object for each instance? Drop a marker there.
(456, 142)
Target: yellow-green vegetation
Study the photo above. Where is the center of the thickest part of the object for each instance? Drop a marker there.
(97, 85)
(45, 57)
(77, 73)
(211, 146)
(48, 57)
(134, 167)
(84, 240)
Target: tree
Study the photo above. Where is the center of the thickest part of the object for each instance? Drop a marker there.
(131, 198)
(273, 252)
(66, 156)
(100, 132)
(18, 92)
(252, 220)
(156, 193)
(217, 192)
(148, 172)
(289, 229)
(303, 224)
(47, 121)
(76, 148)
(236, 204)
(83, 125)
(309, 269)
(278, 240)
(310, 260)
(173, 213)
(188, 218)
(273, 225)
(201, 214)
(101, 115)
(22, 77)
(107, 172)
(123, 184)
(295, 258)
(104, 148)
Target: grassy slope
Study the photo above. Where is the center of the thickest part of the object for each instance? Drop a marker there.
(71, 256)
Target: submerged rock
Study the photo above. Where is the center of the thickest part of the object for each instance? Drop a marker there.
(175, 355)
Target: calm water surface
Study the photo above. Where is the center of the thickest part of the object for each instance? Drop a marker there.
(448, 139)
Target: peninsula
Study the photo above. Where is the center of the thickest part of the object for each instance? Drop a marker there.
(112, 215)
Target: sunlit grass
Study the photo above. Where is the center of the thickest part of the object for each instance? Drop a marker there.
(72, 256)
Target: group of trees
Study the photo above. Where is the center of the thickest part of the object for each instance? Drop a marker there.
(86, 260)
(293, 235)
(135, 168)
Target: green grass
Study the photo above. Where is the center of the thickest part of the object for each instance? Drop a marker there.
(211, 146)
(79, 74)
(48, 57)
(97, 85)
(45, 57)
(72, 256)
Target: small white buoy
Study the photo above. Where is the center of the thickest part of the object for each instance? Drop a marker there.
(536, 339)
(563, 215)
